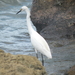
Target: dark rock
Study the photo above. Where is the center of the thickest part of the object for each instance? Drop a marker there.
(71, 71)
(55, 18)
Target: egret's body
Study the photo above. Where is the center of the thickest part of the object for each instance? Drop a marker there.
(38, 42)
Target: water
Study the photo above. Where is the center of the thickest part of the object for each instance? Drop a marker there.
(14, 38)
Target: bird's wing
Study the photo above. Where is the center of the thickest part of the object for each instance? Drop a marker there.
(39, 42)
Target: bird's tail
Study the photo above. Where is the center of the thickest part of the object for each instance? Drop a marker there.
(49, 55)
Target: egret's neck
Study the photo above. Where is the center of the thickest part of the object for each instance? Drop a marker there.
(28, 13)
(30, 29)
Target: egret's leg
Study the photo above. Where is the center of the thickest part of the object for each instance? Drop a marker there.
(36, 53)
(42, 59)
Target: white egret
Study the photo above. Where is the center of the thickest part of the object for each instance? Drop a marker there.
(38, 42)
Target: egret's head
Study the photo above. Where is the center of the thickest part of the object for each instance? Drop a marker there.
(23, 8)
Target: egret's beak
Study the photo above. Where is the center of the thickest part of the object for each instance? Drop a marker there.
(19, 11)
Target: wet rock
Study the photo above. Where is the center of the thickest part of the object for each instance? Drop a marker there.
(56, 18)
(71, 71)
(20, 65)
(55, 21)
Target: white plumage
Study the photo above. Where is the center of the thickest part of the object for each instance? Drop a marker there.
(38, 42)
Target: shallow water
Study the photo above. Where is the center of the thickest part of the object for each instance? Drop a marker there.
(14, 38)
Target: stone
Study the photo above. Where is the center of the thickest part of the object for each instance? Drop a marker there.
(20, 65)
(71, 71)
(54, 19)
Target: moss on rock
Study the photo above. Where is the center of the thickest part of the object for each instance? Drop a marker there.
(20, 65)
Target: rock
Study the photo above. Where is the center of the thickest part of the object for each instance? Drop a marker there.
(20, 65)
(55, 19)
(71, 71)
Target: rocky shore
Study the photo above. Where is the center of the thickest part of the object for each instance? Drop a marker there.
(20, 65)
(55, 21)
(71, 71)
